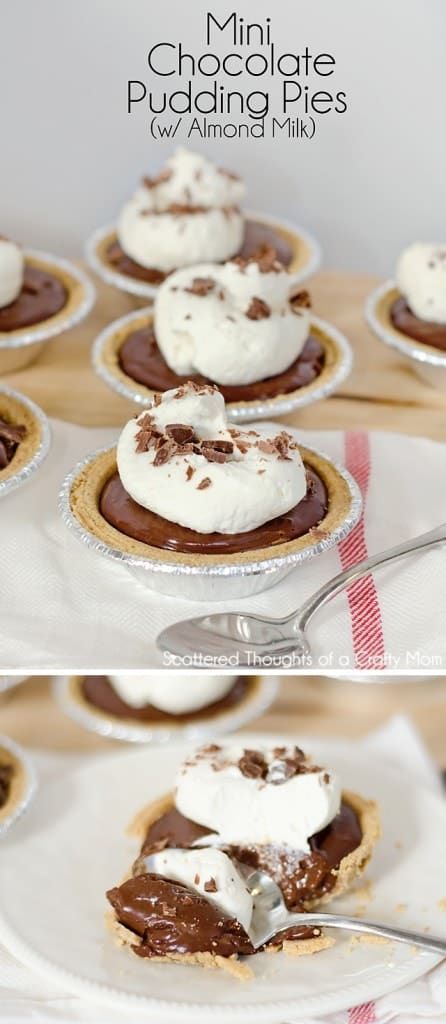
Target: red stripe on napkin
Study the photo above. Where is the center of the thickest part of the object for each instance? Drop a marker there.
(364, 1014)
(365, 612)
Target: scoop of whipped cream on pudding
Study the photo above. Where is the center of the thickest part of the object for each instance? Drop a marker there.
(174, 693)
(188, 214)
(421, 278)
(234, 323)
(260, 797)
(12, 267)
(181, 460)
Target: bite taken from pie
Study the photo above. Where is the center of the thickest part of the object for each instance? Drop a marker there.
(184, 493)
(188, 213)
(244, 325)
(235, 810)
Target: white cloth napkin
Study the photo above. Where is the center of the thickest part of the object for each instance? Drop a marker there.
(25, 998)
(64, 605)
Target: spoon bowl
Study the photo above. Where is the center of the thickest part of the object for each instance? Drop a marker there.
(251, 638)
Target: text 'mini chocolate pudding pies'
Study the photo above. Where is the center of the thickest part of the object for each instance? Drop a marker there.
(410, 315)
(40, 296)
(189, 214)
(156, 708)
(244, 325)
(207, 510)
(235, 810)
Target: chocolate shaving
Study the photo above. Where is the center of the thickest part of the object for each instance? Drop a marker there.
(190, 472)
(258, 309)
(253, 765)
(204, 483)
(302, 300)
(210, 885)
(201, 286)
(178, 209)
(159, 179)
(196, 880)
(265, 257)
(180, 432)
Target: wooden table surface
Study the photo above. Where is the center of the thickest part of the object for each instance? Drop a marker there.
(305, 706)
(382, 393)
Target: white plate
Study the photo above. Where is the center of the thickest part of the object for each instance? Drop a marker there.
(252, 706)
(71, 847)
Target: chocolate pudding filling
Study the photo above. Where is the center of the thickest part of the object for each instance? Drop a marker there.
(42, 296)
(171, 919)
(120, 511)
(256, 234)
(100, 692)
(426, 332)
(10, 438)
(302, 877)
(141, 359)
(6, 773)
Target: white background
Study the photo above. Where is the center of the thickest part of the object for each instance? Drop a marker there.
(372, 180)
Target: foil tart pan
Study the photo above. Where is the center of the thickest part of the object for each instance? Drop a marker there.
(102, 238)
(215, 581)
(238, 412)
(28, 784)
(41, 451)
(428, 362)
(251, 706)
(20, 348)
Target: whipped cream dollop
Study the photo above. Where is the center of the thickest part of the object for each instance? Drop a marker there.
(175, 693)
(236, 323)
(249, 797)
(186, 215)
(12, 266)
(209, 872)
(181, 460)
(421, 277)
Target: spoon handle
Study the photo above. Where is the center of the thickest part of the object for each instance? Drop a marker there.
(353, 924)
(356, 572)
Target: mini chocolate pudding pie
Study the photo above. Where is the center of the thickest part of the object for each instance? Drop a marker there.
(244, 325)
(149, 708)
(183, 488)
(411, 314)
(24, 438)
(235, 810)
(186, 215)
(40, 296)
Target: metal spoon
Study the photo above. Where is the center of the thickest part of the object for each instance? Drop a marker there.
(249, 637)
(270, 917)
